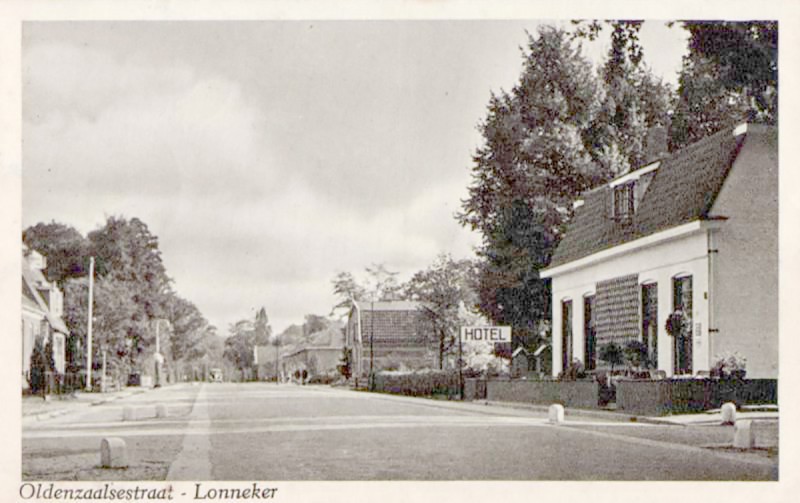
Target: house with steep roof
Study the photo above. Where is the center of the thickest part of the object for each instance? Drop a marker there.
(320, 354)
(692, 237)
(397, 332)
(42, 309)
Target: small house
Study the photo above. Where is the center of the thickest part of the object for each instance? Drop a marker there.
(691, 237)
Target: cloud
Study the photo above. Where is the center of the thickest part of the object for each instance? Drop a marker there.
(151, 131)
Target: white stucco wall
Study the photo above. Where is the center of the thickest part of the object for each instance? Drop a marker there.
(661, 262)
(745, 293)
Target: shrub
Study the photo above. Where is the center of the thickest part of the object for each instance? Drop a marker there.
(574, 371)
(612, 354)
(420, 383)
(729, 365)
(636, 353)
(346, 366)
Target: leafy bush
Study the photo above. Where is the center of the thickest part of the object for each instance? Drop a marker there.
(729, 365)
(636, 353)
(345, 368)
(574, 371)
(326, 378)
(420, 383)
(612, 354)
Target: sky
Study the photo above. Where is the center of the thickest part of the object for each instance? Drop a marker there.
(269, 156)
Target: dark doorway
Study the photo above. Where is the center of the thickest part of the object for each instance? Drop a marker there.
(682, 301)
(589, 333)
(566, 334)
(650, 322)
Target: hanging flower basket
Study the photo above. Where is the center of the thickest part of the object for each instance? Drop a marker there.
(677, 324)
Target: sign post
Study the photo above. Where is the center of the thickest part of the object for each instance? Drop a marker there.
(489, 335)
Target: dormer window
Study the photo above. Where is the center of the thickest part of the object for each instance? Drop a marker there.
(628, 190)
(624, 201)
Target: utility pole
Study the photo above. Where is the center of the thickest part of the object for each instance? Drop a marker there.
(103, 378)
(277, 359)
(158, 358)
(89, 328)
(371, 353)
(460, 368)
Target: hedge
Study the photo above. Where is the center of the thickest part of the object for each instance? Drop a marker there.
(421, 383)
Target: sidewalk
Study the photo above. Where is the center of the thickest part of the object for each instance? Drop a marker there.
(703, 418)
(35, 408)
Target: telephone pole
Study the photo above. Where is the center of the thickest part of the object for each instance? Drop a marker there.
(89, 328)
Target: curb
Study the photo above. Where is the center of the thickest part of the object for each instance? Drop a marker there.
(597, 414)
(40, 416)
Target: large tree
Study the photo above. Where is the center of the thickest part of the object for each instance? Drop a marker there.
(380, 285)
(66, 250)
(538, 155)
(243, 337)
(634, 101)
(132, 291)
(445, 288)
(188, 329)
(114, 328)
(730, 74)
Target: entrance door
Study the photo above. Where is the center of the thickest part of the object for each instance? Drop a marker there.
(682, 300)
(566, 334)
(650, 322)
(589, 333)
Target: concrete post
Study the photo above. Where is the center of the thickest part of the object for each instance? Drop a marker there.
(743, 434)
(728, 413)
(128, 414)
(555, 414)
(161, 410)
(112, 453)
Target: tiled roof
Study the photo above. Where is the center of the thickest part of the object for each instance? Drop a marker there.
(394, 305)
(32, 278)
(684, 189)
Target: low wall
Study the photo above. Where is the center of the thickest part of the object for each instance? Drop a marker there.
(580, 394)
(474, 389)
(675, 396)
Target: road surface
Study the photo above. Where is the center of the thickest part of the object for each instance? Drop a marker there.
(264, 431)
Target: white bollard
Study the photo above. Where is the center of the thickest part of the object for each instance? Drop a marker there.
(743, 434)
(128, 414)
(161, 410)
(728, 413)
(555, 414)
(112, 453)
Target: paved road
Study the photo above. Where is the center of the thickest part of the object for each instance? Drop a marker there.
(259, 431)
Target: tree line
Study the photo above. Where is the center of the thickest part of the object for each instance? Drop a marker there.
(132, 294)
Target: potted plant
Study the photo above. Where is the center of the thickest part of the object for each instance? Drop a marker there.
(730, 366)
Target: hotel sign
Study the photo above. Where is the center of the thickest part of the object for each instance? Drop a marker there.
(489, 335)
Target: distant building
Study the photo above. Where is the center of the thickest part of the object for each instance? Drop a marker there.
(693, 238)
(397, 331)
(319, 355)
(42, 309)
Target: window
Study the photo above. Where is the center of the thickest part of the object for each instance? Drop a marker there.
(624, 201)
(566, 333)
(589, 333)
